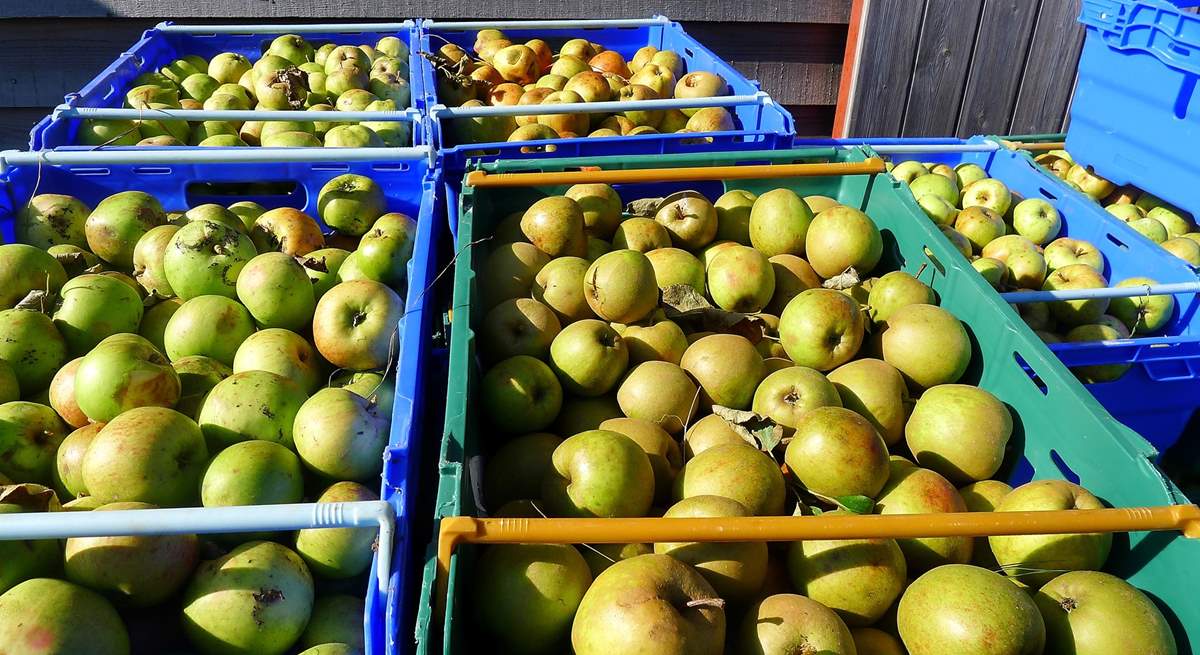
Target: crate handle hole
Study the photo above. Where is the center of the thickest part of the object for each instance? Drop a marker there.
(1185, 96)
(1047, 194)
(1117, 242)
(1030, 373)
(242, 189)
(1063, 468)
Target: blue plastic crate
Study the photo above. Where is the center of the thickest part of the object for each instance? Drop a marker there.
(411, 187)
(1135, 116)
(1166, 367)
(762, 125)
(159, 47)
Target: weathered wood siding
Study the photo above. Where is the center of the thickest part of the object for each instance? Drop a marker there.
(52, 47)
(945, 67)
(926, 67)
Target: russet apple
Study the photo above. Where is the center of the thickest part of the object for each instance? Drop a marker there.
(821, 328)
(736, 571)
(737, 471)
(727, 367)
(589, 357)
(913, 490)
(1022, 555)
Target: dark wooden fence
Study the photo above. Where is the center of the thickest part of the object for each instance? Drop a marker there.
(926, 66)
(946, 67)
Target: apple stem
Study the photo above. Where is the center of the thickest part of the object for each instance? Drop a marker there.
(718, 603)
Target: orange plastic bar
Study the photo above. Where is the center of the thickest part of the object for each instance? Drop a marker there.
(759, 171)
(457, 530)
(1036, 147)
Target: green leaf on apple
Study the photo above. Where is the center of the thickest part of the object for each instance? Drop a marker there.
(758, 430)
(852, 504)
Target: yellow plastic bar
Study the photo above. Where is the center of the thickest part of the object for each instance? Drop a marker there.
(455, 530)
(1036, 147)
(633, 176)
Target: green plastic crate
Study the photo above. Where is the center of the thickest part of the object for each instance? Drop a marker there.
(1060, 431)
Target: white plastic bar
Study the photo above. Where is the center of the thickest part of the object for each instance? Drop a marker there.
(286, 29)
(67, 111)
(1109, 292)
(543, 24)
(441, 111)
(897, 149)
(212, 520)
(169, 155)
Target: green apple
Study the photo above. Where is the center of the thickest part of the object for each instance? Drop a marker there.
(941, 212)
(907, 171)
(779, 222)
(989, 193)
(965, 609)
(959, 431)
(733, 216)
(662, 449)
(1186, 249)
(727, 367)
(559, 285)
(649, 595)
(1065, 251)
(787, 395)
(938, 185)
(1126, 212)
(980, 225)
(1087, 611)
(147, 454)
(927, 344)
(620, 286)
(525, 595)
(1143, 315)
(736, 571)
(821, 329)
(509, 272)
(1092, 185)
(1036, 220)
(1149, 228)
(641, 234)
(659, 392)
(1024, 555)
(1026, 269)
(968, 174)
(588, 357)
(914, 490)
(778, 622)
(599, 473)
(1077, 312)
(835, 452)
(660, 340)
(993, 271)
(675, 266)
(121, 373)
(894, 290)
(859, 579)
(737, 471)
(841, 238)
(519, 326)
(521, 394)
(212, 326)
(741, 279)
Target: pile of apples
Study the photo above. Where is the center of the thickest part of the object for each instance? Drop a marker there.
(736, 358)
(211, 357)
(1014, 244)
(290, 75)
(1164, 224)
(530, 73)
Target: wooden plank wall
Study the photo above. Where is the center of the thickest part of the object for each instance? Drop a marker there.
(944, 67)
(52, 47)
